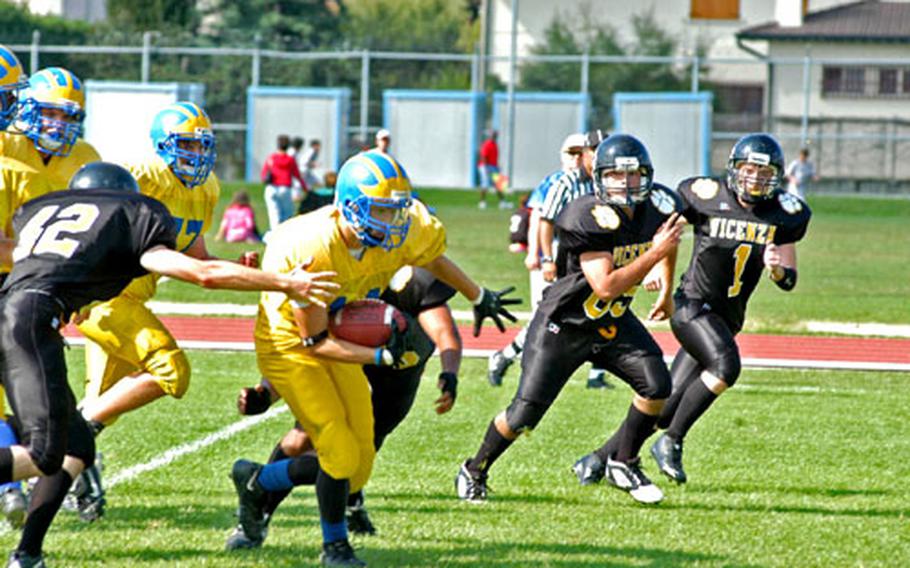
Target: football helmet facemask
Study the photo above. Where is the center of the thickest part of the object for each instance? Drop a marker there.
(12, 81)
(182, 136)
(373, 193)
(623, 174)
(51, 110)
(755, 168)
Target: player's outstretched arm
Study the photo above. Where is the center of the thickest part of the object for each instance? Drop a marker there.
(487, 304)
(300, 285)
(666, 269)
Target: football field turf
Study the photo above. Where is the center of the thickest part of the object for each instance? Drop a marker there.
(791, 468)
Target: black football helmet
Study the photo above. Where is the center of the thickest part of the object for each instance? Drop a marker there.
(761, 150)
(104, 175)
(623, 152)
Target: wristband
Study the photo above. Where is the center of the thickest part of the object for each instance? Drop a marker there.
(546, 258)
(479, 299)
(377, 357)
(315, 339)
(383, 357)
(788, 281)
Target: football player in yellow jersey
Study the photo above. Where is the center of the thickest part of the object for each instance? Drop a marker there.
(131, 357)
(12, 81)
(373, 229)
(45, 133)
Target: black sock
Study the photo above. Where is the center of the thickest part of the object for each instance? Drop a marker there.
(611, 446)
(6, 465)
(304, 469)
(636, 428)
(695, 402)
(672, 404)
(278, 454)
(332, 495)
(45, 501)
(494, 445)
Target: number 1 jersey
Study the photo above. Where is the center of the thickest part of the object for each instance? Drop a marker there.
(727, 257)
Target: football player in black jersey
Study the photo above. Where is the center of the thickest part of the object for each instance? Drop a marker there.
(743, 224)
(417, 293)
(75, 248)
(608, 242)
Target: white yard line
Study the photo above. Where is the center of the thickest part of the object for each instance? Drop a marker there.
(177, 452)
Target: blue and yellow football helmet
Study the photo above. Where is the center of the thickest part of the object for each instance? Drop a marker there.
(12, 80)
(372, 180)
(174, 128)
(52, 110)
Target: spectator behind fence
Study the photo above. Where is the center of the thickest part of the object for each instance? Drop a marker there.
(238, 224)
(799, 173)
(278, 171)
(309, 162)
(488, 167)
(383, 140)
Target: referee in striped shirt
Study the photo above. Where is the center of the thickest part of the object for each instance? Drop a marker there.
(570, 186)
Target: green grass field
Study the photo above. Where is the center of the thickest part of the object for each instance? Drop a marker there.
(854, 264)
(791, 468)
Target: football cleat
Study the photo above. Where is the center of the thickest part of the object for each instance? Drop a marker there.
(339, 553)
(90, 501)
(589, 469)
(251, 499)
(597, 379)
(497, 365)
(358, 519)
(14, 507)
(471, 488)
(667, 452)
(630, 478)
(238, 539)
(19, 559)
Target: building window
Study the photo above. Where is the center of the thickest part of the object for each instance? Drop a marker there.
(714, 9)
(906, 86)
(855, 80)
(832, 80)
(887, 81)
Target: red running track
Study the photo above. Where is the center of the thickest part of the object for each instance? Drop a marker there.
(756, 350)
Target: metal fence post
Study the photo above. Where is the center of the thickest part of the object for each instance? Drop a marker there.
(585, 72)
(257, 60)
(34, 56)
(804, 125)
(364, 95)
(146, 55)
(513, 75)
(696, 63)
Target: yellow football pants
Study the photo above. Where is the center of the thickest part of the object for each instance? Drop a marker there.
(331, 400)
(125, 337)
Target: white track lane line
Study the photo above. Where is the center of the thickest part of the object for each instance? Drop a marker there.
(177, 452)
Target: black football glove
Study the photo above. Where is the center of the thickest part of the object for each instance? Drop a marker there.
(492, 306)
(409, 347)
(448, 384)
(254, 400)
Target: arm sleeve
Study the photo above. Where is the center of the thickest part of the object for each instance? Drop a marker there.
(429, 239)
(153, 226)
(684, 199)
(795, 228)
(578, 231)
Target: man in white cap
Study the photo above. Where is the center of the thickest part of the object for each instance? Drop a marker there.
(383, 140)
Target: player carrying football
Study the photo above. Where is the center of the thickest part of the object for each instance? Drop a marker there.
(608, 243)
(373, 229)
(743, 225)
(422, 297)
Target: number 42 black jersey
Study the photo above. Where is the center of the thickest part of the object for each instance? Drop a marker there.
(83, 246)
(730, 239)
(589, 225)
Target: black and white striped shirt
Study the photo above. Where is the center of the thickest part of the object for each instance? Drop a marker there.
(570, 186)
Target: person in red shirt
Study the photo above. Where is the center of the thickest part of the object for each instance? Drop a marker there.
(278, 171)
(488, 167)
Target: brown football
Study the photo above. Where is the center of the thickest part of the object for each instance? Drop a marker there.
(366, 322)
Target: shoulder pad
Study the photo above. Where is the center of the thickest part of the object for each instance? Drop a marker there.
(606, 217)
(664, 200)
(704, 188)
